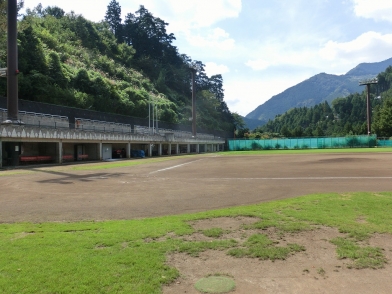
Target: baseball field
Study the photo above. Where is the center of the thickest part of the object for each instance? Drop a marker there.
(272, 222)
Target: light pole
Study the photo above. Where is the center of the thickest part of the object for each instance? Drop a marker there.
(156, 113)
(193, 69)
(12, 63)
(368, 105)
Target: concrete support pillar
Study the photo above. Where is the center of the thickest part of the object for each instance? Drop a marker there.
(197, 148)
(169, 149)
(128, 151)
(205, 148)
(100, 150)
(1, 153)
(160, 149)
(150, 150)
(177, 148)
(188, 148)
(60, 160)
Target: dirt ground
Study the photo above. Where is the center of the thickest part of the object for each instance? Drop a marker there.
(189, 184)
(316, 270)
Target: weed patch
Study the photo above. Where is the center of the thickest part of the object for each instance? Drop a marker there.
(362, 257)
(260, 246)
(214, 232)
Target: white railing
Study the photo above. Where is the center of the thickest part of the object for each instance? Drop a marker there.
(84, 124)
(39, 119)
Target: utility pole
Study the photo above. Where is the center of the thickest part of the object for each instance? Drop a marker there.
(12, 63)
(368, 104)
(193, 72)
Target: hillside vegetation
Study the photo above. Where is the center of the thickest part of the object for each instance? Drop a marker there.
(345, 116)
(111, 66)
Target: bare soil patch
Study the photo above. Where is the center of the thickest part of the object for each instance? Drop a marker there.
(316, 270)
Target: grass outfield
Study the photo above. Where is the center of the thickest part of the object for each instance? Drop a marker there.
(128, 257)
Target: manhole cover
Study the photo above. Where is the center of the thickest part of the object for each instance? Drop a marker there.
(215, 284)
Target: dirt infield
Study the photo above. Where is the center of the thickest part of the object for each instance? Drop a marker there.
(184, 184)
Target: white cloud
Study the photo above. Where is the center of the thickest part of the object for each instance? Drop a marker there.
(276, 55)
(216, 38)
(375, 9)
(244, 95)
(211, 68)
(368, 47)
(183, 16)
(191, 14)
(259, 64)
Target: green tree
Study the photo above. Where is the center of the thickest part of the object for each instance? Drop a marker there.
(284, 131)
(113, 18)
(382, 124)
(54, 11)
(239, 122)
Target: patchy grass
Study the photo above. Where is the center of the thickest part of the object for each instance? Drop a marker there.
(113, 257)
(261, 247)
(213, 232)
(362, 257)
(194, 248)
(321, 271)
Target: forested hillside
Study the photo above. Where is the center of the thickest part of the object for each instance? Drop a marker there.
(345, 116)
(113, 66)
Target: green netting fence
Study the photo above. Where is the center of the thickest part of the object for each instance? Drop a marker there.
(384, 142)
(363, 141)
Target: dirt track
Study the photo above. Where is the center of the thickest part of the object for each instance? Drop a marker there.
(184, 184)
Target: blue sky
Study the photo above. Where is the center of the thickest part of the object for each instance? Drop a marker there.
(262, 47)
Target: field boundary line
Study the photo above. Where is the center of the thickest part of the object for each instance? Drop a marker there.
(175, 166)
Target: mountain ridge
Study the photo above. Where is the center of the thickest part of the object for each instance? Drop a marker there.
(318, 88)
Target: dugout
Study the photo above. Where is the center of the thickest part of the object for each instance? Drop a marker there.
(119, 150)
(79, 151)
(136, 147)
(10, 152)
(183, 148)
(173, 149)
(193, 148)
(21, 153)
(165, 149)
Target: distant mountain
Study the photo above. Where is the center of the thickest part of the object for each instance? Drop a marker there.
(253, 123)
(319, 88)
